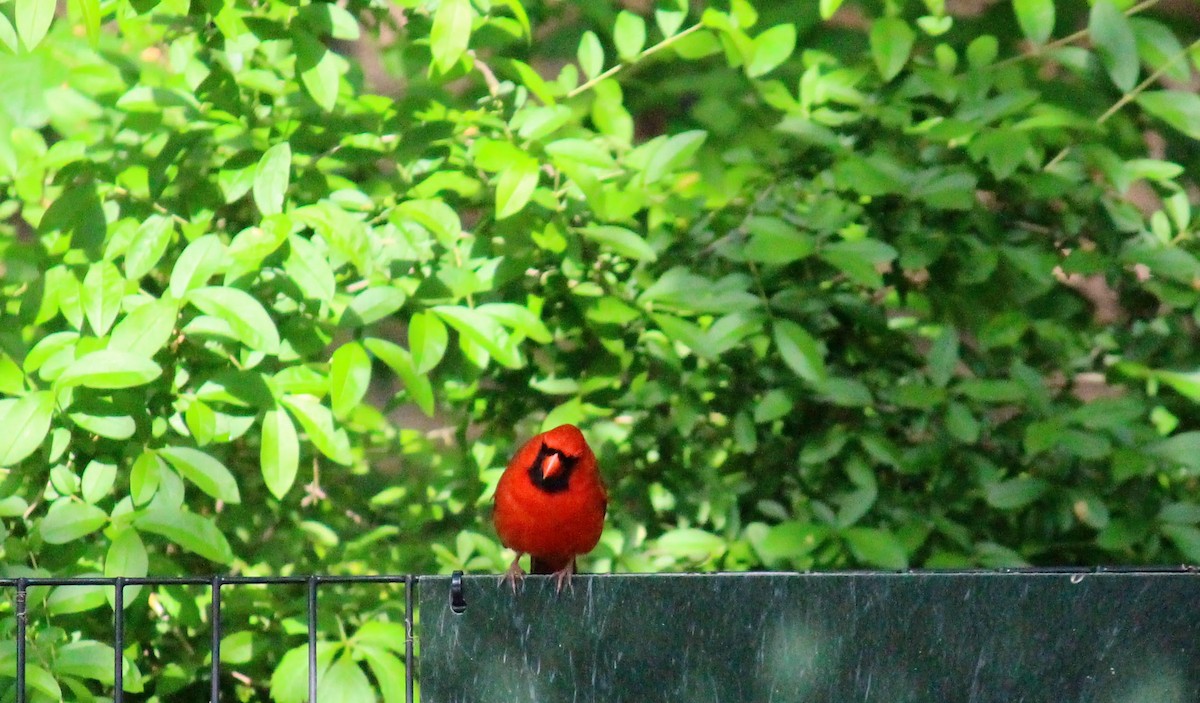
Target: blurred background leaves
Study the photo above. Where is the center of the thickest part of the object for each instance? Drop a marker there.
(865, 284)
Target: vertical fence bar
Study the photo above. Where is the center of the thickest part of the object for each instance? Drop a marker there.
(119, 640)
(22, 617)
(215, 695)
(409, 582)
(312, 639)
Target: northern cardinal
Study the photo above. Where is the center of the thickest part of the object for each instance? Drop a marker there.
(550, 504)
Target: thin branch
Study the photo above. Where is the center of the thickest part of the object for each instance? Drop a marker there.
(645, 52)
(1070, 38)
(1128, 98)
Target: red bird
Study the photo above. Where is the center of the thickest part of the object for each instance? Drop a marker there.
(550, 504)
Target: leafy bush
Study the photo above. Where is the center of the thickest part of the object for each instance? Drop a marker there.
(826, 286)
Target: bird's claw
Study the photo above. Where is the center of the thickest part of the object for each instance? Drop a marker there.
(514, 574)
(563, 576)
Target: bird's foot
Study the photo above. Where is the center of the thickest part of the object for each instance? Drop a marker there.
(514, 574)
(563, 576)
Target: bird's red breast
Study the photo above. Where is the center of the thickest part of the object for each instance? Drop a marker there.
(550, 501)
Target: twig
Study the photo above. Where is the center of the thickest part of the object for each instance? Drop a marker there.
(1070, 38)
(645, 52)
(1127, 98)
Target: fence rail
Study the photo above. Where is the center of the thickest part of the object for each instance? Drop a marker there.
(469, 620)
(120, 583)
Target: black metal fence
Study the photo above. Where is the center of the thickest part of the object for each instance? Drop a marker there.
(1120, 635)
(119, 584)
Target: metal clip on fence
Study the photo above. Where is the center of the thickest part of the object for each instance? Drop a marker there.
(458, 602)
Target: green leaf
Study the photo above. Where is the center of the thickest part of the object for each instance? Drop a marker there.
(567, 413)
(280, 452)
(320, 71)
(518, 318)
(891, 43)
(876, 547)
(691, 544)
(146, 330)
(12, 378)
(65, 600)
(949, 190)
(188, 530)
(374, 304)
(254, 244)
(97, 481)
(1115, 42)
(201, 421)
(26, 421)
(349, 378)
(668, 155)
(199, 261)
(771, 48)
(387, 668)
(245, 316)
(103, 288)
(323, 432)
(1160, 48)
(791, 540)
(33, 21)
(144, 477)
(289, 682)
(89, 12)
(8, 36)
(271, 178)
(773, 405)
(800, 351)
(982, 51)
(345, 682)
(88, 659)
(148, 246)
(109, 369)
(1186, 539)
(774, 241)
(669, 21)
(1177, 108)
(68, 520)
(451, 33)
(515, 187)
(1036, 18)
(37, 678)
(205, 471)
(399, 361)
(590, 54)
(309, 269)
(1182, 449)
(483, 330)
(434, 215)
(126, 557)
(238, 648)
(13, 506)
(622, 241)
(1014, 493)
(427, 340)
(119, 427)
(829, 7)
(329, 20)
(682, 289)
(943, 356)
(1180, 513)
(860, 259)
(629, 35)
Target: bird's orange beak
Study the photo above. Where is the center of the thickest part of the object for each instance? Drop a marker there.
(551, 465)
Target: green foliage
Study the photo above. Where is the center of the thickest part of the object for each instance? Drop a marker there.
(281, 285)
